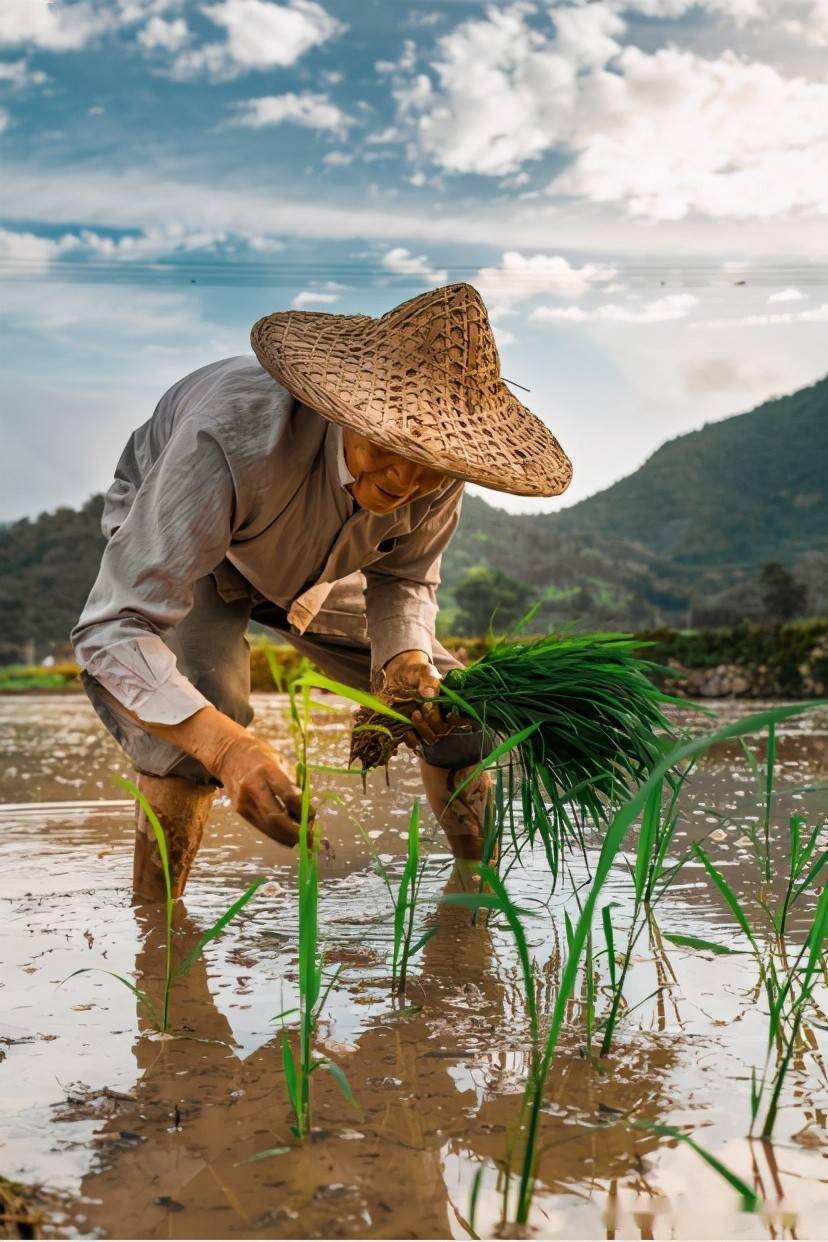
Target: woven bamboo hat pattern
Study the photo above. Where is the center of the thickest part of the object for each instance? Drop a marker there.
(422, 380)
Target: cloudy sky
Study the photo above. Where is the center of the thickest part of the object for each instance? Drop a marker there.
(640, 191)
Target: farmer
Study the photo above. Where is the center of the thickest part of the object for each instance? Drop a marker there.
(313, 489)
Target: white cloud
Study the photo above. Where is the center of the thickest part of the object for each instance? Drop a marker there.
(30, 254)
(586, 36)
(338, 159)
(404, 63)
(812, 25)
(403, 263)
(69, 25)
(501, 90)
(786, 295)
(664, 134)
(169, 36)
(260, 34)
(17, 74)
(265, 245)
(310, 110)
(673, 133)
(739, 12)
(5, 119)
(817, 314)
(524, 276)
(661, 310)
(710, 375)
(26, 253)
(152, 244)
(69, 312)
(57, 27)
(132, 11)
(147, 198)
(383, 136)
(313, 297)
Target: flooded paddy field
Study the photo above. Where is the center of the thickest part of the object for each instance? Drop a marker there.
(129, 1135)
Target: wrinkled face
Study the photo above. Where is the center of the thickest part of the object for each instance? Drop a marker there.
(383, 480)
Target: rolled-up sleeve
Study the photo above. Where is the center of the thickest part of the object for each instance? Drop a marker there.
(401, 587)
(177, 530)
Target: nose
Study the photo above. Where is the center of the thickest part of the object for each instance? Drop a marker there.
(403, 474)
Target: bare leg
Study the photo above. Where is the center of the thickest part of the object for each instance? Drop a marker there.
(464, 819)
(182, 809)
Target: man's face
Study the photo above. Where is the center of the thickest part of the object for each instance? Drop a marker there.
(384, 481)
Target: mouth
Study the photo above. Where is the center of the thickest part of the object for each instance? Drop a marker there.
(396, 500)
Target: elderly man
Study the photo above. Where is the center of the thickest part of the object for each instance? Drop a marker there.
(312, 488)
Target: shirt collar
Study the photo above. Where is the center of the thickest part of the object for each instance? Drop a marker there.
(343, 473)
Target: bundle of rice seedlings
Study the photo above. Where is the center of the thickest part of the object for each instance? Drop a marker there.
(584, 717)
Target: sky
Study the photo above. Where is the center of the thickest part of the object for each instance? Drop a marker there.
(638, 189)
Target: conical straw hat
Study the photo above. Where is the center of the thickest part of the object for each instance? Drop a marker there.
(422, 380)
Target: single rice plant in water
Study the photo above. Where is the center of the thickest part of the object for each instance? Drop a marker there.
(299, 1065)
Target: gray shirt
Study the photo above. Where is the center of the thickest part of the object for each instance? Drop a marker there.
(234, 476)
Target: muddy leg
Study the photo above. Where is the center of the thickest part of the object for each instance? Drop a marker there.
(182, 809)
(464, 819)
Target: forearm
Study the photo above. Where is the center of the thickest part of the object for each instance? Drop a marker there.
(207, 735)
(254, 775)
(401, 617)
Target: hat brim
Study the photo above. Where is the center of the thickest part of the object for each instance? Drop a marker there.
(426, 386)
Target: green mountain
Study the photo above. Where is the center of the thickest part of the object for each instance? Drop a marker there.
(682, 539)
(47, 567)
(739, 492)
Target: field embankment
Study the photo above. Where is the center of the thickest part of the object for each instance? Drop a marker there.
(745, 661)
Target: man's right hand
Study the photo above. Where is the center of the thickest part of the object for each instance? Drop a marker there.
(251, 771)
(260, 788)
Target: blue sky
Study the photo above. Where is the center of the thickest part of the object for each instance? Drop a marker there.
(639, 190)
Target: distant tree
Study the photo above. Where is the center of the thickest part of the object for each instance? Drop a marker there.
(487, 596)
(783, 596)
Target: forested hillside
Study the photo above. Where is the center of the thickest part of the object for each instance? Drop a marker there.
(741, 492)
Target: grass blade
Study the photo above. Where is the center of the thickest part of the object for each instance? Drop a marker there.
(694, 942)
(218, 927)
(319, 682)
(750, 1200)
(731, 900)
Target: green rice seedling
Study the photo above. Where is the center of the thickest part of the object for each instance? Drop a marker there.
(651, 880)
(577, 934)
(789, 993)
(493, 896)
(788, 988)
(804, 868)
(161, 1020)
(299, 1068)
(474, 1196)
(405, 906)
(731, 900)
(749, 1198)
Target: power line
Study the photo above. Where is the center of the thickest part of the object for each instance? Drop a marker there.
(243, 273)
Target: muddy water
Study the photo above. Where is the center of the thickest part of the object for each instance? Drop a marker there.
(139, 1137)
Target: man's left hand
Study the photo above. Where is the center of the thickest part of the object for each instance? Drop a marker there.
(409, 675)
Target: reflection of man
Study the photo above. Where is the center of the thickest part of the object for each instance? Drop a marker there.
(436, 1088)
(384, 1157)
(265, 490)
